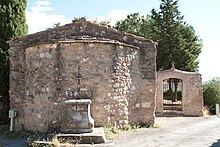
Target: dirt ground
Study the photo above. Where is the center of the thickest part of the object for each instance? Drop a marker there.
(175, 132)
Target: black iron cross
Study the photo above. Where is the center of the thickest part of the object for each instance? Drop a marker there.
(79, 75)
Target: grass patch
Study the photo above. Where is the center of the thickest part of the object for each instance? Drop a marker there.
(37, 140)
(156, 126)
(35, 136)
(57, 142)
(111, 132)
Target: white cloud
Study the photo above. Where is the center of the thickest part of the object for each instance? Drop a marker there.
(42, 3)
(41, 21)
(38, 19)
(42, 6)
(114, 16)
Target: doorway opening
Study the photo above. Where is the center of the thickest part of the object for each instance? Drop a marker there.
(172, 94)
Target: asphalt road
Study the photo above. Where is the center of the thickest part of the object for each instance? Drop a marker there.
(175, 132)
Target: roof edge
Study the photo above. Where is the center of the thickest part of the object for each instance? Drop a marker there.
(88, 41)
(81, 28)
(178, 71)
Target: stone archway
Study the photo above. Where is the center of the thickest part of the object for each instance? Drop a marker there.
(192, 97)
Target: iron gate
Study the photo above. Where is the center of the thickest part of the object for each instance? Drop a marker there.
(172, 94)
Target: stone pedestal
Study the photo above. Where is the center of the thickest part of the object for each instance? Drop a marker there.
(78, 118)
(96, 138)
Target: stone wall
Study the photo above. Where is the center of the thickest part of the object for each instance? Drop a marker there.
(118, 68)
(192, 96)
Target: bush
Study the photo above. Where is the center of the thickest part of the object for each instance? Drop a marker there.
(211, 93)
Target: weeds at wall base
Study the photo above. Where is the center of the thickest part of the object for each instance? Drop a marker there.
(112, 132)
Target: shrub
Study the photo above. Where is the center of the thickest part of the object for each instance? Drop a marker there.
(211, 93)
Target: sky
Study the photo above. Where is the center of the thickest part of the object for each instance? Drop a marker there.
(203, 15)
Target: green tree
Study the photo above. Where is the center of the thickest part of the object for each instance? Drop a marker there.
(12, 25)
(211, 93)
(135, 24)
(177, 40)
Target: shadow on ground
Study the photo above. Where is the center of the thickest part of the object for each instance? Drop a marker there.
(216, 144)
(19, 142)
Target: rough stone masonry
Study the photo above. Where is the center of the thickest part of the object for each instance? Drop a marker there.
(119, 68)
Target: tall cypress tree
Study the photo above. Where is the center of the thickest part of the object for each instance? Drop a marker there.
(12, 25)
(177, 40)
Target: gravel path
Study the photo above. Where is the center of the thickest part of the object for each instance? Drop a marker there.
(175, 132)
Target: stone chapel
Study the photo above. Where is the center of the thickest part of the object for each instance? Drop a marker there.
(118, 69)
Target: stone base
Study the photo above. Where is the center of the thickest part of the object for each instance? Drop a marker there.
(46, 143)
(76, 131)
(95, 137)
(169, 113)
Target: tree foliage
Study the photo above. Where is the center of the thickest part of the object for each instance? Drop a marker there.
(12, 25)
(135, 24)
(177, 40)
(211, 92)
